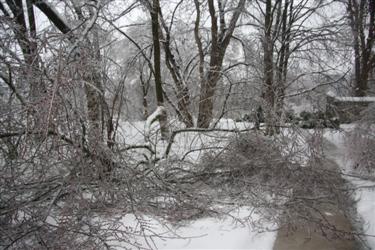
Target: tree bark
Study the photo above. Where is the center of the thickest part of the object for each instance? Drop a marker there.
(269, 94)
(145, 87)
(219, 44)
(283, 58)
(26, 39)
(182, 93)
(163, 119)
(90, 72)
(362, 44)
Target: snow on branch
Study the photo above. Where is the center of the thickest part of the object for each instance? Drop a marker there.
(160, 110)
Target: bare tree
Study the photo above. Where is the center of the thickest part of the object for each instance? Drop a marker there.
(361, 15)
(68, 174)
(268, 48)
(182, 89)
(24, 28)
(221, 34)
(163, 119)
(287, 36)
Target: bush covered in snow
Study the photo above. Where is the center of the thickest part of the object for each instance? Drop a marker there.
(318, 119)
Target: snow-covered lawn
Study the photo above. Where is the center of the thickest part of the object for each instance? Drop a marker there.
(220, 234)
(187, 145)
(365, 189)
(229, 232)
(225, 233)
(206, 233)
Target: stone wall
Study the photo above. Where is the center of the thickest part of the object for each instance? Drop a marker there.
(347, 109)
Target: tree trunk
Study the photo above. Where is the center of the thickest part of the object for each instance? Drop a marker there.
(90, 73)
(208, 84)
(163, 119)
(144, 86)
(99, 120)
(362, 45)
(183, 96)
(206, 98)
(219, 44)
(269, 94)
(26, 39)
(283, 58)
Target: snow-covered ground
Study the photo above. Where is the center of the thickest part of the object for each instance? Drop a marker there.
(224, 233)
(206, 233)
(187, 145)
(365, 189)
(229, 232)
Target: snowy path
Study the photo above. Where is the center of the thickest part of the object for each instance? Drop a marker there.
(365, 193)
(304, 239)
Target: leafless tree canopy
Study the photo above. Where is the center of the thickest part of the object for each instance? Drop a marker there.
(112, 108)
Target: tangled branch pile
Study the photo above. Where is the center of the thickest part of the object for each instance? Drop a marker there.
(362, 142)
(254, 170)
